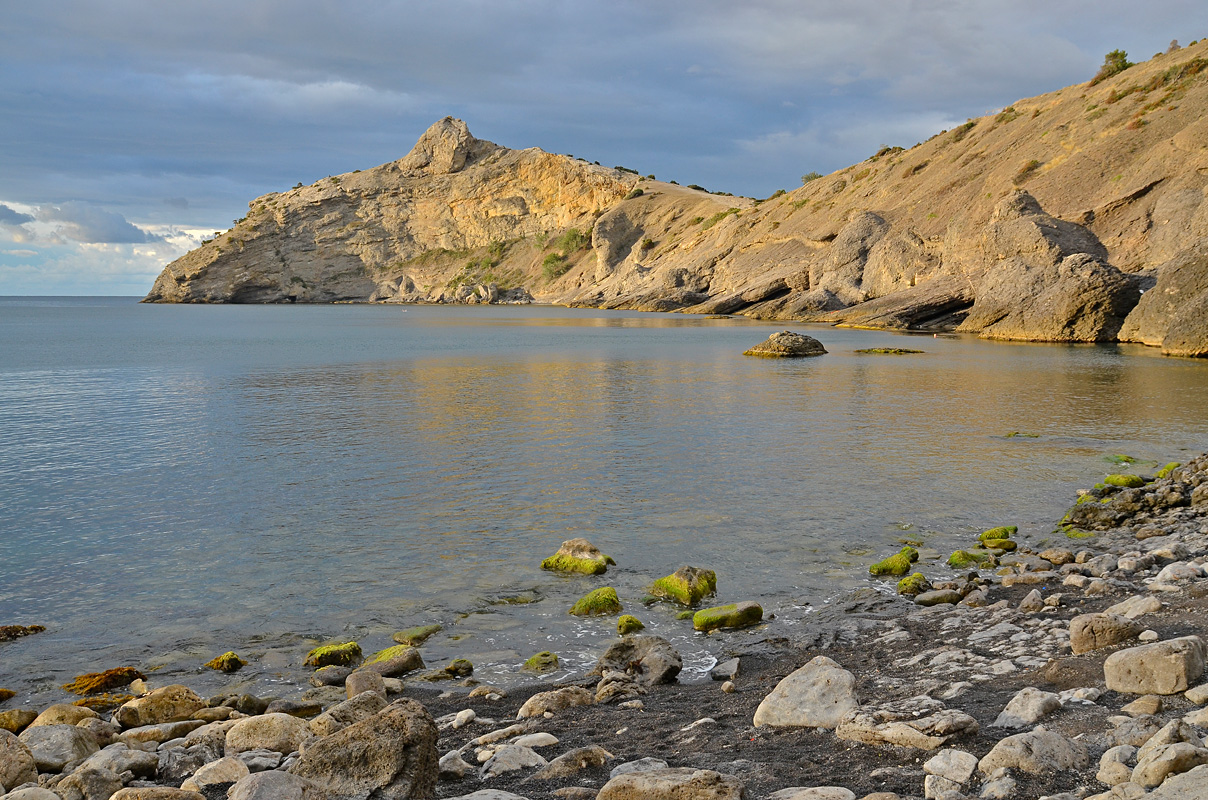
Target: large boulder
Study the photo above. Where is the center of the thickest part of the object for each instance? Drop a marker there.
(276, 785)
(1037, 752)
(341, 715)
(1191, 785)
(89, 783)
(649, 660)
(787, 344)
(1166, 667)
(673, 784)
(63, 714)
(1173, 314)
(17, 764)
(167, 704)
(1092, 631)
(389, 756)
(280, 733)
(53, 746)
(554, 701)
(818, 695)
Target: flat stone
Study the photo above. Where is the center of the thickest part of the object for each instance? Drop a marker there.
(1198, 694)
(156, 793)
(673, 784)
(63, 714)
(955, 765)
(817, 695)
(511, 758)
(1093, 631)
(53, 746)
(813, 793)
(641, 765)
(1147, 704)
(1168, 667)
(906, 730)
(119, 758)
(725, 670)
(938, 597)
(1136, 606)
(1035, 752)
(163, 732)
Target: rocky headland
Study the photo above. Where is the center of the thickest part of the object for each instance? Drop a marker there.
(1076, 216)
(1067, 667)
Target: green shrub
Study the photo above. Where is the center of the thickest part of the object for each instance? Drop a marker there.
(697, 187)
(574, 239)
(634, 193)
(1026, 171)
(961, 131)
(554, 265)
(718, 217)
(1114, 63)
(810, 176)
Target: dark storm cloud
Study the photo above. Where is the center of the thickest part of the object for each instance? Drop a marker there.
(9, 216)
(90, 225)
(126, 102)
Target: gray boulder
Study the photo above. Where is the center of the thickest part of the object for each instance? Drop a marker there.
(818, 695)
(787, 344)
(1026, 708)
(648, 660)
(389, 756)
(17, 764)
(672, 784)
(54, 746)
(275, 785)
(281, 733)
(89, 784)
(1092, 631)
(1037, 752)
(340, 716)
(1163, 668)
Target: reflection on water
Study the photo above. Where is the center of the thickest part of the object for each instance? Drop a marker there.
(178, 481)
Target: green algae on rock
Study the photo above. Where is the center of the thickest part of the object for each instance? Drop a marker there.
(1001, 532)
(1165, 471)
(227, 662)
(342, 654)
(787, 344)
(685, 615)
(97, 682)
(545, 661)
(578, 555)
(897, 564)
(600, 601)
(460, 668)
(398, 651)
(7, 694)
(687, 585)
(963, 559)
(734, 615)
(629, 624)
(1125, 481)
(417, 635)
(914, 584)
(888, 351)
(1005, 545)
(10, 632)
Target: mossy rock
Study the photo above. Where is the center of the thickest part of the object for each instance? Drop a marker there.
(10, 632)
(734, 615)
(685, 615)
(227, 662)
(545, 661)
(1001, 532)
(1165, 471)
(1125, 481)
(97, 682)
(1078, 533)
(417, 635)
(1005, 545)
(687, 585)
(913, 584)
(342, 654)
(460, 668)
(103, 702)
(578, 555)
(7, 694)
(601, 601)
(888, 351)
(391, 653)
(963, 559)
(1122, 459)
(897, 564)
(628, 624)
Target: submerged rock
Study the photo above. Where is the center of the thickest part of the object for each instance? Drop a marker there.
(227, 662)
(734, 615)
(545, 661)
(687, 585)
(600, 601)
(578, 555)
(897, 564)
(787, 344)
(97, 682)
(342, 654)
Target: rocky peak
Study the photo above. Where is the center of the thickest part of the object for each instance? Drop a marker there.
(444, 149)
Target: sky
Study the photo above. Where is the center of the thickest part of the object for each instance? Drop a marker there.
(131, 130)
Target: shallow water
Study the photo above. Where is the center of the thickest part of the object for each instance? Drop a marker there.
(176, 481)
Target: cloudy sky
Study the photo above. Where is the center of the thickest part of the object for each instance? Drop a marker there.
(131, 129)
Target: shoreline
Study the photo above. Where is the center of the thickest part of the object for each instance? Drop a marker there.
(969, 659)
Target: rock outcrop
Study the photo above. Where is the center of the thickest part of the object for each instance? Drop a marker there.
(1077, 216)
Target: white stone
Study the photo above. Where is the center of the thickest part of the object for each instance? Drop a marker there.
(1026, 708)
(511, 758)
(224, 770)
(536, 740)
(955, 765)
(1136, 606)
(818, 695)
(1168, 667)
(464, 718)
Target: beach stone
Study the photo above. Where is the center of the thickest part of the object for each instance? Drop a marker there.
(1192, 785)
(89, 783)
(640, 765)
(1143, 706)
(787, 344)
(389, 756)
(1037, 752)
(494, 794)
(672, 784)
(1198, 694)
(259, 760)
(452, 767)
(1026, 708)
(16, 720)
(365, 680)
(32, 793)
(904, 728)
(1179, 571)
(1001, 787)
(1032, 602)
(303, 709)
(275, 785)
(167, 704)
(687, 585)
(1135, 732)
(393, 662)
(224, 770)
(63, 714)
(578, 555)
(725, 670)
(1198, 718)
(535, 740)
(163, 732)
(732, 615)
(17, 765)
(1173, 732)
(511, 758)
(352, 710)
(120, 757)
(53, 746)
(1113, 765)
(333, 675)
(155, 793)
(466, 716)
(817, 695)
(1168, 667)
(649, 660)
(955, 765)
(1092, 631)
(1167, 759)
(573, 762)
(938, 597)
(555, 701)
(280, 733)
(1136, 606)
(813, 793)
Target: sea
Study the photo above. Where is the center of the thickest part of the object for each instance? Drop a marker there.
(180, 481)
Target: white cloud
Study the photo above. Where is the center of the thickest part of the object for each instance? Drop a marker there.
(90, 225)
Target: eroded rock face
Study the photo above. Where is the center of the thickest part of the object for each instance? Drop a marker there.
(1173, 314)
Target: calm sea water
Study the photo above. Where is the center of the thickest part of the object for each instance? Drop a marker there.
(177, 481)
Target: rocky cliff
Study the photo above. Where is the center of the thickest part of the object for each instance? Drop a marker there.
(1079, 215)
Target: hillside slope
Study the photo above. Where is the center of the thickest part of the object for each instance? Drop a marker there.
(1079, 215)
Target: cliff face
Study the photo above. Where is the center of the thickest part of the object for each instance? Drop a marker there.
(1046, 221)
